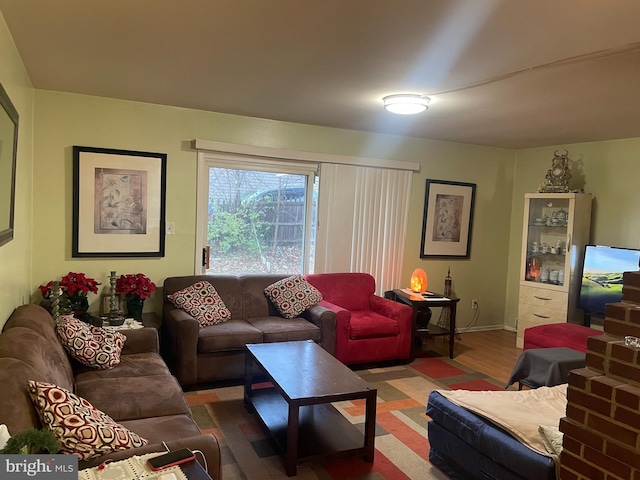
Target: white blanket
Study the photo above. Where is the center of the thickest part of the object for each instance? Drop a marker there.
(518, 412)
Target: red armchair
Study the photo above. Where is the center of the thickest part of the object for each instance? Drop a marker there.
(369, 328)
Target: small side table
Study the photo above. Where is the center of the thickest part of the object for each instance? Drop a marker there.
(420, 307)
(538, 367)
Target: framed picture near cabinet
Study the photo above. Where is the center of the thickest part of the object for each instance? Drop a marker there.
(118, 203)
(447, 219)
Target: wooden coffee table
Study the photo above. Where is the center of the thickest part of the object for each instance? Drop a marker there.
(297, 407)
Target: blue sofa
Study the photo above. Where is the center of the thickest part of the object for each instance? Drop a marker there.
(466, 446)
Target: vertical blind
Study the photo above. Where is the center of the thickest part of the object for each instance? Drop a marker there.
(362, 213)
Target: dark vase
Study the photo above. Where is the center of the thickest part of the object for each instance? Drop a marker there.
(78, 305)
(46, 304)
(134, 307)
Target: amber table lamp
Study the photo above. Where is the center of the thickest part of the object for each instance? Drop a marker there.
(419, 281)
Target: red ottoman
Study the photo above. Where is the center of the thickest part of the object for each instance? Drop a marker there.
(555, 335)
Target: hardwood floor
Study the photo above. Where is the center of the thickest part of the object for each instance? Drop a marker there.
(492, 352)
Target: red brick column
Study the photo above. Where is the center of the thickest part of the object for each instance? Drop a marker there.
(602, 424)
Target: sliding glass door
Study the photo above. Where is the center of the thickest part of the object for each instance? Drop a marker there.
(259, 220)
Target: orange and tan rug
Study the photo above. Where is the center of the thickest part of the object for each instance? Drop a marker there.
(402, 448)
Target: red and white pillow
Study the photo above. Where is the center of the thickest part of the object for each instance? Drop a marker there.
(80, 428)
(91, 346)
(202, 302)
(292, 295)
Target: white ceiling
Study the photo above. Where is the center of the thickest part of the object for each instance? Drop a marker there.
(329, 62)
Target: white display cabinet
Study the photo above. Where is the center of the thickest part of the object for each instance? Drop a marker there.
(555, 232)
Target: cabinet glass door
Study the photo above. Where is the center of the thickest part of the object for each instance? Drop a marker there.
(547, 238)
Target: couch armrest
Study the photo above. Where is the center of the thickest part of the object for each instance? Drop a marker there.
(400, 312)
(343, 319)
(142, 340)
(180, 335)
(207, 444)
(325, 319)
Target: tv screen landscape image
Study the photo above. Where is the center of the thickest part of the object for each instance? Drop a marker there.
(602, 276)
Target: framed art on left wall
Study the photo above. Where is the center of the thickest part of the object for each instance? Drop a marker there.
(118, 203)
(8, 155)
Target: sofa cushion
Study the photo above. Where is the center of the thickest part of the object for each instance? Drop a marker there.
(91, 346)
(254, 302)
(134, 397)
(81, 429)
(34, 350)
(159, 429)
(278, 329)
(202, 302)
(16, 409)
(292, 295)
(367, 324)
(351, 290)
(231, 335)
(133, 365)
(36, 318)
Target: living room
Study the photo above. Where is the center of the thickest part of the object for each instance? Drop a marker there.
(52, 122)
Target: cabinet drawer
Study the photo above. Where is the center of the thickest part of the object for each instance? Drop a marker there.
(543, 298)
(541, 315)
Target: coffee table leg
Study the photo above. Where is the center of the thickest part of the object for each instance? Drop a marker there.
(452, 328)
(370, 425)
(248, 381)
(291, 461)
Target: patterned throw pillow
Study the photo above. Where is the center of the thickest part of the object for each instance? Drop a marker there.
(91, 346)
(202, 302)
(79, 426)
(292, 295)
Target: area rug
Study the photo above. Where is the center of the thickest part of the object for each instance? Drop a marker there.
(402, 448)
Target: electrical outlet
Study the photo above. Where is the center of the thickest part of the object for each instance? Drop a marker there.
(474, 304)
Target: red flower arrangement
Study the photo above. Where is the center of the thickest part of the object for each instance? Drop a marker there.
(135, 285)
(73, 285)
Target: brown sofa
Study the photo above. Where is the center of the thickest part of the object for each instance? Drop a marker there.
(138, 393)
(217, 352)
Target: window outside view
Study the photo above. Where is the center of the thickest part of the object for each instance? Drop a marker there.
(256, 222)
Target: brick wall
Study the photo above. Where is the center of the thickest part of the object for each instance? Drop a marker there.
(602, 425)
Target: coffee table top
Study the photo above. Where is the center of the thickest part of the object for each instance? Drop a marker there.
(305, 370)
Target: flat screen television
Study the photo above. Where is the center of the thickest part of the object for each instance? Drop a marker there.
(602, 276)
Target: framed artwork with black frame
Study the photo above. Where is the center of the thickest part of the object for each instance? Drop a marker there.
(118, 203)
(8, 154)
(447, 220)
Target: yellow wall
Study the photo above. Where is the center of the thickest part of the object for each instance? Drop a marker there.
(63, 120)
(483, 275)
(15, 256)
(608, 170)
(52, 122)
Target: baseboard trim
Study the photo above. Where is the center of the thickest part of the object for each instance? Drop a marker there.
(483, 328)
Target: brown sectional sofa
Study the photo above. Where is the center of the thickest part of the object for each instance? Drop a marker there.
(139, 393)
(217, 352)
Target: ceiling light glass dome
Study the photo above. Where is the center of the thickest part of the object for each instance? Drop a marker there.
(406, 103)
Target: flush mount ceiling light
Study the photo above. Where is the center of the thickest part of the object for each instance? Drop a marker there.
(406, 103)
